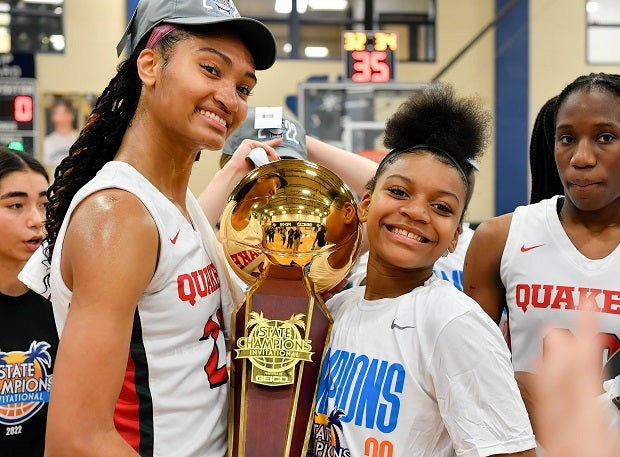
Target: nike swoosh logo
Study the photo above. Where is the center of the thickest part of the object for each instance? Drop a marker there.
(176, 237)
(395, 325)
(529, 248)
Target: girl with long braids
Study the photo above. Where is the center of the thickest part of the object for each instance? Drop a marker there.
(414, 366)
(136, 281)
(548, 260)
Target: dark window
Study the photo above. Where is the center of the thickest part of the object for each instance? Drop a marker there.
(315, 29)
(32, 26)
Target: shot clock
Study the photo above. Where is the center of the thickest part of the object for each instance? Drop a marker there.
(18, 112)
(369, 56)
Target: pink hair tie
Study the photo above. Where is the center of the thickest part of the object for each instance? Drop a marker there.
(158, 33)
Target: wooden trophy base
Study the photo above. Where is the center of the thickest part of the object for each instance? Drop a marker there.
(279, 336)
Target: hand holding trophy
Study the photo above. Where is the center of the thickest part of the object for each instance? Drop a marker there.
(280, 330)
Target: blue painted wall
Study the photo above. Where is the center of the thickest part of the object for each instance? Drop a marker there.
(511, 110)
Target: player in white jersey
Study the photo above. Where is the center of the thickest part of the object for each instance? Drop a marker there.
(546, 261)
(173, 364)
(244, 245)
(541, 294)
(413, 366)
(140, 294)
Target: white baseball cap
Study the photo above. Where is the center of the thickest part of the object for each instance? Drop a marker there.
(150, 13)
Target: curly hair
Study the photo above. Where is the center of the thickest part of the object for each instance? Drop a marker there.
(453, 128)
(101, 137)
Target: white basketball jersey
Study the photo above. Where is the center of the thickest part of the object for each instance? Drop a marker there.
(423, 374)
(245, 245)
(547, 279)
(174, 397)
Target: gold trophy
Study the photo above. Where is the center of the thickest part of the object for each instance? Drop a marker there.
(291, 233)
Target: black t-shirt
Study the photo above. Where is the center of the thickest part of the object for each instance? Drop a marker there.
(28, 344)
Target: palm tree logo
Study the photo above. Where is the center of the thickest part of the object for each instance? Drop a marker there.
(274, 348)
(332, 428)
(24, 386)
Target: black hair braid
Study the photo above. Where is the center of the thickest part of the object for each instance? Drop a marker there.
(546, 180)
(96, 145)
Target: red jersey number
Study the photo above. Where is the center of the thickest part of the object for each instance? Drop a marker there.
(216, 370)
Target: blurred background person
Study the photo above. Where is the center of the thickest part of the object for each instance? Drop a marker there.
(64, 133)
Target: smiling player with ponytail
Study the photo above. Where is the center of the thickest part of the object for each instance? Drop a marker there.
(414, 366)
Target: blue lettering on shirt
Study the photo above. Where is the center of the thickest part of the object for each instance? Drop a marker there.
(368, 390)
(455, 277)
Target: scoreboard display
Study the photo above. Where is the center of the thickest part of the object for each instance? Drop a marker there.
(18, 112)
(369, 56)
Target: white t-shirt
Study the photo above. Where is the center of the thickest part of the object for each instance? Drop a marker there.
(424, 374)
(244, 247)
(56, 147)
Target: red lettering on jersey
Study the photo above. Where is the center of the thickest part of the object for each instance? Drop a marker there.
(611, 301)
(567, 297)
(200, 283)
(564, 298)
(212, 278)
(215, 368)
(243, 258)
(587, 298)
(541, 302)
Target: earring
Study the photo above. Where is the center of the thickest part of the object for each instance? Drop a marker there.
(445, 254)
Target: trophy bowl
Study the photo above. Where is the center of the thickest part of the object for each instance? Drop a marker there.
(292, 212)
